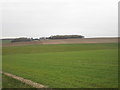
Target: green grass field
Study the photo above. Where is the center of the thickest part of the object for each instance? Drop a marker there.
(6, 41)
(65, 66)
(10, 83)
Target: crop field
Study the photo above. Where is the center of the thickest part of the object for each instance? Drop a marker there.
(65, 65)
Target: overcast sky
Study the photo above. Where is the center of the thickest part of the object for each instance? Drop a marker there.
(36, 18)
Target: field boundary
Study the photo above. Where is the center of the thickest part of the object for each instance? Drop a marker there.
(64, 41)
(26, 81)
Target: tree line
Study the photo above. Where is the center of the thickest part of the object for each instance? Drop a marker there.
(23, 39)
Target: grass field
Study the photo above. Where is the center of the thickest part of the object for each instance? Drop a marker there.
(10, 83)
(65, 66)
(6, 41)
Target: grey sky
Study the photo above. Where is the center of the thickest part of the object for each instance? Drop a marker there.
(36, 18)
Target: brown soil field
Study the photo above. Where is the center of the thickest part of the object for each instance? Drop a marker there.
(65, 41)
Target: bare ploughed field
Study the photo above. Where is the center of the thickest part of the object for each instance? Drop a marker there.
(65, 41)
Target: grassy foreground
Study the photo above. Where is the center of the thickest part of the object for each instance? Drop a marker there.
(10, 83)
(65, 66)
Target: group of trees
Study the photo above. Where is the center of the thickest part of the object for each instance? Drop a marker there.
(22, 39)
(44, 38)
(65, 36)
